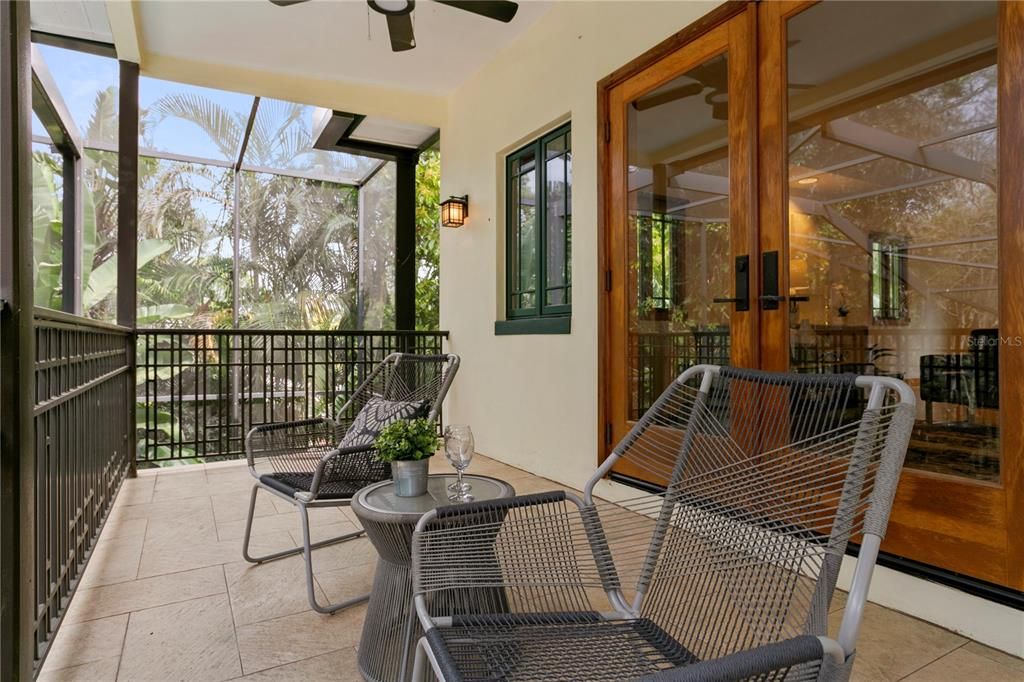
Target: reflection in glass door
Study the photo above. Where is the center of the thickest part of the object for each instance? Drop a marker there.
(893, 265)
(678, 229)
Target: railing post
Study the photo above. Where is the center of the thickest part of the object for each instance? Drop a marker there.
(128, 221)
(17, 361)
(405, 241)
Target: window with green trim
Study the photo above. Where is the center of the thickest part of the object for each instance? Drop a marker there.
(889, 279)
(538, 193)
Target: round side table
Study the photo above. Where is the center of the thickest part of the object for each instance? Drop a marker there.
(389, 521)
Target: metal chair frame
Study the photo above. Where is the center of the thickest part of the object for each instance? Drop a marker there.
(834, 656)
(305, 501)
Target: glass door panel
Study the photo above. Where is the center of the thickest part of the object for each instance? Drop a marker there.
(678, 229)
(893, 232)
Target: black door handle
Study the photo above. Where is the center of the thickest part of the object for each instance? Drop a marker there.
(770, 297)
(742, 273)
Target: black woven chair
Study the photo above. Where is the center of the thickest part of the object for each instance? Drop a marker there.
(323, 463)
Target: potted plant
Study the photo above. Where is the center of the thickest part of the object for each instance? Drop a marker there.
(408, 445)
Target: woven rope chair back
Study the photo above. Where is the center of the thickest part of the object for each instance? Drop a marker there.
(766, 477)
(401, 377)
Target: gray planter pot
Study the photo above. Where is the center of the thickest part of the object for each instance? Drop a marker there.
(410, 477)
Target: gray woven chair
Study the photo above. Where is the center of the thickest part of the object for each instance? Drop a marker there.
(323, 463)
(725, 571)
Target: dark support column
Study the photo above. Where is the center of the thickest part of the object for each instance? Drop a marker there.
(127, 194)
(128, 221)
(405, 241)
(71, 236)
(17, 351)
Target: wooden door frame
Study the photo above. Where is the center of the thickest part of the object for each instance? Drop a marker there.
(953, 522)
(994, 512)
(665, 48)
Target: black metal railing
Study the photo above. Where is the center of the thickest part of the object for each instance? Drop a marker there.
(83, 450)
(200, 391)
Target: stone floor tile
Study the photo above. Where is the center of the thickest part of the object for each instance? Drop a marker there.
(78, 643)
(266, 591)
(271, 643)
(185, 527)
(192, 640)
(120, 527)
(103, 670)
(963, 664)
(997, 656)
(135, 595)
(286, 520)
(337, 666)
(341, 584)
(137, 490)
(348, 553)
(161, 510)
(113, 561)
(892, 645)
(232, 506)
(173, 557)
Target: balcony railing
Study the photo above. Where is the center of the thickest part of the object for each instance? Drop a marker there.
(82, 451)
(200, 391)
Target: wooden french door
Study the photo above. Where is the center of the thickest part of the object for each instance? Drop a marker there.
(835, 187)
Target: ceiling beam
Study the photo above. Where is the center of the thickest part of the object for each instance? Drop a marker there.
(124, 26)
(905, 149)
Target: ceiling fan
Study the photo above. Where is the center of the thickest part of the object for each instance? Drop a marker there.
(398, 14)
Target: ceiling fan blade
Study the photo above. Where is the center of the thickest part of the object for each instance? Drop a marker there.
(286, 3)
(501, 10)
(400, 30)
(658, 98)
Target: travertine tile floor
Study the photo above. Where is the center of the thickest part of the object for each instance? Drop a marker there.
(167, 595)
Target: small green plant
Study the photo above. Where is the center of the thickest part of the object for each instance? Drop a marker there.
(406, 440)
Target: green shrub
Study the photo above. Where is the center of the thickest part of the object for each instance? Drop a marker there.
(407, 440)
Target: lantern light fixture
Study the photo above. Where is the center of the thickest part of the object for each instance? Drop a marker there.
(454, 211)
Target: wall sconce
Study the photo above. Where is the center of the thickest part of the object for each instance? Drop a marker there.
(454, 211)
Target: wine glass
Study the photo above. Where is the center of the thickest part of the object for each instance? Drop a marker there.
(458, 448)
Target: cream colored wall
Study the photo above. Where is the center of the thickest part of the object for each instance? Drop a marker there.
(532, 400)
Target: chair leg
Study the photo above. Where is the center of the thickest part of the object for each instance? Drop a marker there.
(420, 664)
(418, 672)
(288, 552)
(307, 550)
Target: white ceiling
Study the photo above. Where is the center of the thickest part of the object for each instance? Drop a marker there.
(77, 18)
(331, 39)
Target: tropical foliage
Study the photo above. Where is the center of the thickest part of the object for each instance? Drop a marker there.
(299, 243)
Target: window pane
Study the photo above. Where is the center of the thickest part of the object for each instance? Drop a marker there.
(526, 239)
(894, 264)
(282, 139)
(299, 253)
(558, 210)
(185, 245)
(47, 225)
(192, 121)
(377, 244)
(679, 231)
(99, 235)
(88, 84)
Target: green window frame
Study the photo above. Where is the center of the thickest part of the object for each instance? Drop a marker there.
(538, 222)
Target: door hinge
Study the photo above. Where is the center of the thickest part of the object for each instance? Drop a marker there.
(607, 131)
(608, 433)
(607, 280)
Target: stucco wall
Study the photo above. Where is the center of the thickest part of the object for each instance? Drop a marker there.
(532, 400)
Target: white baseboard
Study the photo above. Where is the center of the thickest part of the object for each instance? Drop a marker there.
(998, 626)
